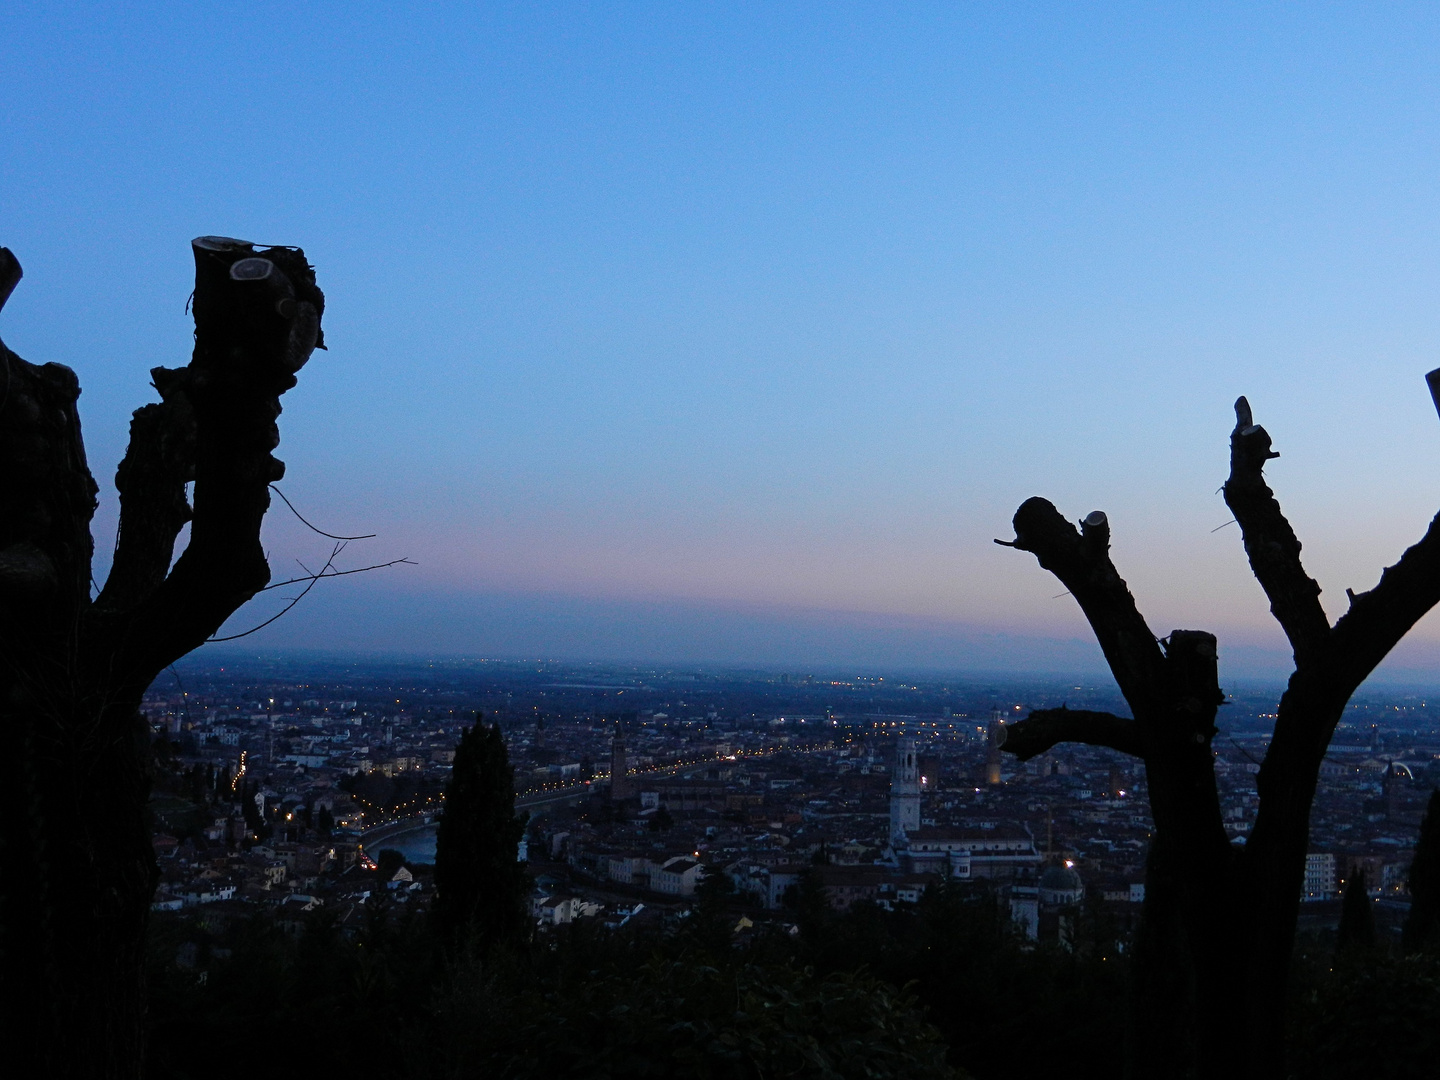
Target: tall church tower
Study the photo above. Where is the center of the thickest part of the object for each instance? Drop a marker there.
(904, 791)
(997, 736)
(619, 767)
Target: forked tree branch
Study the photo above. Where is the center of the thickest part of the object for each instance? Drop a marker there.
(257, 320)
(47, 498)
(1270, 542)
(1378, 619)
(151, 480)
(10, 274)
(1343, 657)
(1081, 560)
(1044, 728)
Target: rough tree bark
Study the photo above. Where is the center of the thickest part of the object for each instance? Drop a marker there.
(1218, 924)
(78, 870)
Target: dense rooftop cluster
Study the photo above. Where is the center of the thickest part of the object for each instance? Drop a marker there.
(280, 789)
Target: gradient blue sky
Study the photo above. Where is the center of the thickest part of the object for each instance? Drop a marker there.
(731, 332)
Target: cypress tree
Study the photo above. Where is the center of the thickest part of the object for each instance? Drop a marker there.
(251, 812)
(810, 904)
(481, 888)
(1422, 926)
(1357, 918)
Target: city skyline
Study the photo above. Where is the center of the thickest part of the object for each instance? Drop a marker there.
(738, 335)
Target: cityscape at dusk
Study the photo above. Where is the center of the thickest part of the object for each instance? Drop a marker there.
(726, 541)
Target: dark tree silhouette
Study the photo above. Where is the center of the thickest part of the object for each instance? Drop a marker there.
(807, 900)
(1212, 961)
(1357, 917)
(78, 870)
(388, 863)
(481, 889)
(1422, 925)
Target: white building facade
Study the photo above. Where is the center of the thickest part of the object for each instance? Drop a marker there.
(1319, 875)
(904, 792)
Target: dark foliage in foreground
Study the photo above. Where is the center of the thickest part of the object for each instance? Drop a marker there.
(1371, 1014)
(870, 994)
(679, 1014)
(586, 1004)
(1006, 1008)
(1357, 919)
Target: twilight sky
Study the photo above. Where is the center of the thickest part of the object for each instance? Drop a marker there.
(736, 333)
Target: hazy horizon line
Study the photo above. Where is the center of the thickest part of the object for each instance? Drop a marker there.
(1399, 681)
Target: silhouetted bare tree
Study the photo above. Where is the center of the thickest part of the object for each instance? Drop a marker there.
(1219, 919)
(76, 866)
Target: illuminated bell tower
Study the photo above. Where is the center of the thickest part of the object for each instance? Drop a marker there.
(619, 767)
(904, 791)
(997, 737)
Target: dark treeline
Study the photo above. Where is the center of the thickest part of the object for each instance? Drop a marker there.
(946, 986)
(869, 993)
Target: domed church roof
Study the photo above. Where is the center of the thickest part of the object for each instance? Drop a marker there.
(1060, 885)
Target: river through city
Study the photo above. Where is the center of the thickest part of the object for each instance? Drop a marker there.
(418, 845)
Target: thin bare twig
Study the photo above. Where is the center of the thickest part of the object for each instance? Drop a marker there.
(312, 528)
(341, 573)
(184, 697)
(1242, 750)
(328, 563)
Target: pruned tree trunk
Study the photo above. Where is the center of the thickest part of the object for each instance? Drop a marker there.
(78, 870)
(1212, 959)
